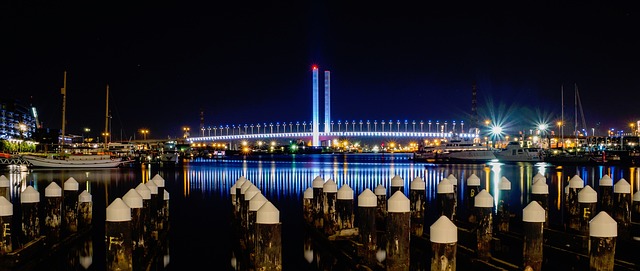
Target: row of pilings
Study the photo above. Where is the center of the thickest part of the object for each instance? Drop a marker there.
(136, 227)
(257, 226)
(66, 213)
(386, 225)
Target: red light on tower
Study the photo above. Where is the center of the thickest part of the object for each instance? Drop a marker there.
(314, 67)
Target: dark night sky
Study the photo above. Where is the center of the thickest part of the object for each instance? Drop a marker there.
(243, 62)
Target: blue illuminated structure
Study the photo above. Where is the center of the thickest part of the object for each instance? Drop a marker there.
(327, 101)
(316, 133)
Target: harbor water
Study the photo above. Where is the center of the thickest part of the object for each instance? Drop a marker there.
(200, 225)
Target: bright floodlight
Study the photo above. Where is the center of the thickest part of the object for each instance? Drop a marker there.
(496, 130)
(543, 127)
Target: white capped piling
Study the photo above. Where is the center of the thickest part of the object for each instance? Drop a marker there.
(145, 193)
(119, 245)
(153, 209)
(588, 199)
(605, 188)
(318, 201)
(540, 194)
(397, 184)
(165, 208)
(473, 188)
(484, 206)
(443, 235)
(254, 205)
(5, 188)
(367, 203)
(417, 199)
(232, 192)
(243, 208)
(572, 206)
(160, 183)
(446, 199)
(381, 210)
(602, 242)
(345, 210)
(6, 215)
(53, 212)
(635, 217)
(330, 191)
(503, 214)
(454, 181)
(85, 210)
(307, 205)
(239, 182)
(29, 199)
(398, 234)
(248, 195)
(70, 206)
(134, 201)
(268, 238)
(537, 177)
(622, 206)
(533, 218)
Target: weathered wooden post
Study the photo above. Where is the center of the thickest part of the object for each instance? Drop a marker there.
(254, 205)
(330, 190)
(444, 241)
(454, 181)
(268, 238)
(6, 215)
(417, 199)
(484, 206)
(345, 211)
(5, 188)
(397, 184)
(573, 206)
(367, 203)
(145, 214)
(537, 177)
(232, 192)
(446, 200)
(587, 198)
(247, 224)
(540, 194)
(318, 201)
(134, 202)
(533, 218)
(381, 210)
(473, 188)
(503, 213)
(53, 212)
(602, 242)
(606, 194)
(243, 205)
(635, 217)
(398, 232)
(70, 206)
(622, 206)
(159, 181)
(239, 182)
(165, 210)
(119, 246)
(29, 200)
(307, 205)
(153, 209)
(85, 210)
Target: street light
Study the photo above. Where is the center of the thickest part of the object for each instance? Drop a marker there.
(144, 133)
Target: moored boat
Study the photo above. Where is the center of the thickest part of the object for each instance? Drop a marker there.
(73, 161)
(516, 153)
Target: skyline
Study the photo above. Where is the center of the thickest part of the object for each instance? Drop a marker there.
(244, 63)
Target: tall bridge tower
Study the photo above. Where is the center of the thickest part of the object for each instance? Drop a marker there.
(474, 108)
(327, 101)
(316, 104)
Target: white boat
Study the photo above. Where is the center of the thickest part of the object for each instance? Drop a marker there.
(169, 153)
(460, 150)
(516, 153)
(73, 161)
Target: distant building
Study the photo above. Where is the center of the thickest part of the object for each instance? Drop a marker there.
(17, 120)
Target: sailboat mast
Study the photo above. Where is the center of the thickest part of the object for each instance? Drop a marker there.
(575, 111)
(63, 91)
(106, 122)
(562, 116)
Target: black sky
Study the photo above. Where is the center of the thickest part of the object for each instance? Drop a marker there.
(243, 62)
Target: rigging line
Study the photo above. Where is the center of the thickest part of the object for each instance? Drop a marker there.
(117, 113)
(584, 123)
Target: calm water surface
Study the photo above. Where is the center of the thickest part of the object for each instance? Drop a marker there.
(200, 204)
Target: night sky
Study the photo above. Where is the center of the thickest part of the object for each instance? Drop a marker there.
(243, 62)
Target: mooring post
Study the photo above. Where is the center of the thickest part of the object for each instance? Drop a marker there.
(5, 188)
(318, 203)
(85, 210)
(159, 181)
(247, 224)
(446, 200)
(307, 206)
(503, 213)
(243, 205)
(381, 209)
(6, 215)
(145, 214)
(367, 203)
(153, 210)
(603, 231)
(622, 206)
(119, 245)
(573, 206)
(268, 238)
(588, 199)
(454, 181)
(417, 198)
(330, 190)
(537, 177)
(635, 217)
(134, 202)
(53, 212)
(484, 205)
(605, 188)
(473, 188)
(540, 194)
(345, 211)
(443, 235)
(397, 184)
(398, 232)
(533, 218)
(70, 206)
(165, 210)
(239, 182)
(254, 205)
(29, 199)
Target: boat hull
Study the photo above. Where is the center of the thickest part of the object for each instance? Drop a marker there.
(46, 162)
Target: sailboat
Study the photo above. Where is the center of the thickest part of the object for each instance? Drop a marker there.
(61, 160)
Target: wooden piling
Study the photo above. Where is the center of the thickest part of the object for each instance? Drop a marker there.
(368, 237)
(268, 238)
(165, 210)
(145, 214)
(572, 205)
(533, 218)
(635, 217)
(540, 194)
(153, 209)
(6, 217)
(70, 206)
(345, 211)
(588, 199)
(307, 206)
(605, 188)
(443, 235)
(85, 210)
(239, 182)
(247, 223)
(119, 245)
(53, 212)
(473, 188)
(484, 206)
(398, 232)
(503, 213)
(446, 199)
(243, 204)
(254, 205)
(160, 182)
(603, 231)
(397, 184)
(622, 206)
(417, 199)
(381, 209)
(29, 199)
(5, 188)
(318, 203)
(134, 201)
(454, 181)
(330, 191)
